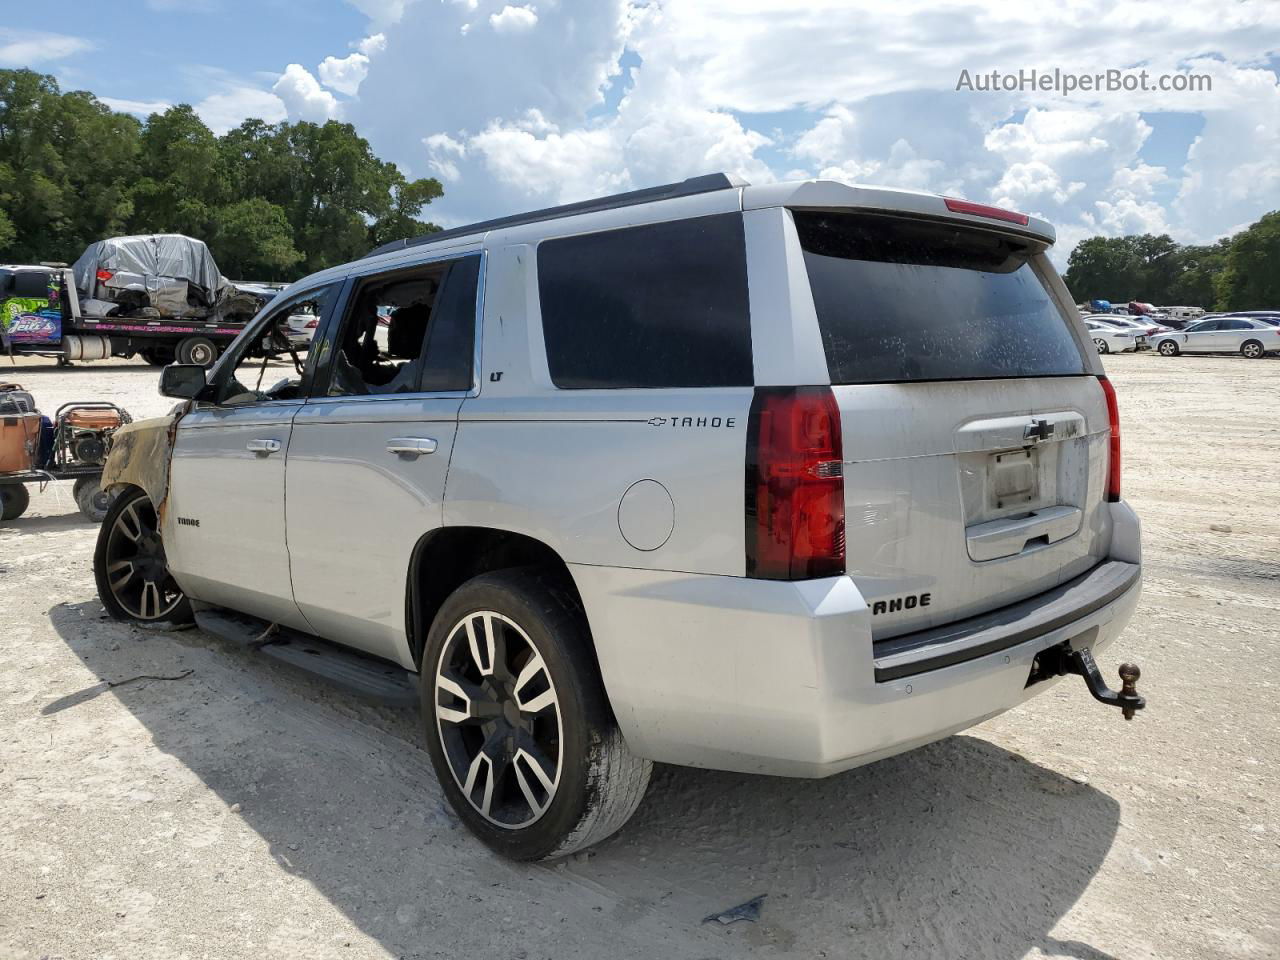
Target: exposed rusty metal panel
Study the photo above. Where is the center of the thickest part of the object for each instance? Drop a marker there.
(140, 454)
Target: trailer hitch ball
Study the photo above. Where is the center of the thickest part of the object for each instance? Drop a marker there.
(1063, 659)
(1128, 700)
(1129, 674)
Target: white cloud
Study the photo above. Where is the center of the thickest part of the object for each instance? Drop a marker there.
(1080, 170)
(142, 108)
(555, 166)
(1233, 171)
(372, 44)
(513, 19)
(303, 97)
(229, 108)
(26, 48)
(444, 154)
(830, 139)
(851, 89)
(344, 75)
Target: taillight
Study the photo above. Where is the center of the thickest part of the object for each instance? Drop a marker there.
(983, 210)
(105, 275)
(1113, 415)
(312, 324)
(795, 484)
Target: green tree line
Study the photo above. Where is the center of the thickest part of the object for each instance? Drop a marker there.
(273, 201)
(1237, 273)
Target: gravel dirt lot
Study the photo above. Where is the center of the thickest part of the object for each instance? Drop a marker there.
(248, 811)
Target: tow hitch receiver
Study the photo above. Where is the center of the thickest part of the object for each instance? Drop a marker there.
(1061, 660)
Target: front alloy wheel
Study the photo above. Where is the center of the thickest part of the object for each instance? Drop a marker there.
(1101, 345)
(498, 718)
(1168, 348)
(129, 565)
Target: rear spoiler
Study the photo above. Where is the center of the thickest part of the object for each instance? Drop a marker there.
(828, 194)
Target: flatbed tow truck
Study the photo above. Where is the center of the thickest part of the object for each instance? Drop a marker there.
(43, 317)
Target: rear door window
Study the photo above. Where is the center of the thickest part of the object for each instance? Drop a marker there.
(659, 305)
(902, 300)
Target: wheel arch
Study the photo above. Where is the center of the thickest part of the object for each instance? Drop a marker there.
(454, 555)
(139, 457)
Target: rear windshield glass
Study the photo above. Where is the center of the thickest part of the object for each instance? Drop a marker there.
(901, 300)
(659, 305)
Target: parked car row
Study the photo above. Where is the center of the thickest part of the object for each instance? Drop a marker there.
(1173, 317)
(1252, 334)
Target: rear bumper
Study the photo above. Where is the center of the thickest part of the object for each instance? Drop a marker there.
(780, 678)
(933, 649)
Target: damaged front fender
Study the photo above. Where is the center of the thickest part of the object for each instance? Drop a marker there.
(140, 454)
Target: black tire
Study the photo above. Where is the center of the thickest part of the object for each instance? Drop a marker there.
(132, 509)
(14, 500)
(93, 501)
(157, 358)
(1167, 348)
(1101, 345)
(199, 350)
(597, 783)
(1253, 350)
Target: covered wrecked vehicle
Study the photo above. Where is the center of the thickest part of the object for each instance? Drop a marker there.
(160, 276)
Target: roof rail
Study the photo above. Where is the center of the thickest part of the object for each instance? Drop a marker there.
(685, 188)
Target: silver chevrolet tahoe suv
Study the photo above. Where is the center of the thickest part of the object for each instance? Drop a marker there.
(781, 479)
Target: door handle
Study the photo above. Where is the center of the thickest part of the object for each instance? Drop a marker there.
(411, 446)
(263, 447)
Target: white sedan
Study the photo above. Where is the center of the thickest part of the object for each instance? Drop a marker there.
(1109, 338)
(1144, 325)
(1242, 335)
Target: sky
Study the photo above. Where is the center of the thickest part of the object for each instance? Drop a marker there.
(516, 105)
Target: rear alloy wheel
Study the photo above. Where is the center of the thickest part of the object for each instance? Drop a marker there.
(518, 727)
(92, 500)
(1252, 349)
(1102, 345)
(499, 720)
(130, 567)
(1168, 348)
(198, 350)
(14, 500)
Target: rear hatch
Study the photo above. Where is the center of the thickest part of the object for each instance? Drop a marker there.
(975, 435)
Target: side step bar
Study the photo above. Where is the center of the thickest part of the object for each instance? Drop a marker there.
(370, 678)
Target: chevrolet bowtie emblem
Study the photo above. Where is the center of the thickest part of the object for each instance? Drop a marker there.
(1038, 430)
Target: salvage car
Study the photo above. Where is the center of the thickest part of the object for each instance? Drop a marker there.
(779, 479)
